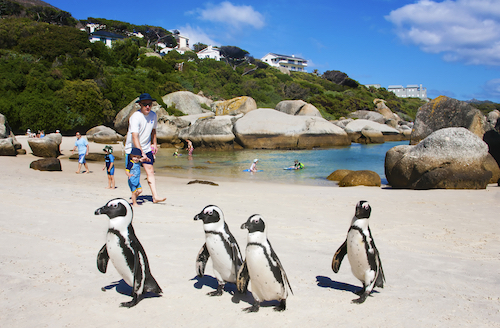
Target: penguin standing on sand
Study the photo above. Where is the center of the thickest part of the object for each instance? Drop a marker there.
(262, 267)
(125, 251)
(362, 253)
(221, 246)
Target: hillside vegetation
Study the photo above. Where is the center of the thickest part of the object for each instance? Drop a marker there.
(52, 77)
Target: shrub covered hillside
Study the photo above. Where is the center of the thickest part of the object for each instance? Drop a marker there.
(52, 77)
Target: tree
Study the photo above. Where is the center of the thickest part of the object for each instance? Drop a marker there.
(234, 56)
(199, 47)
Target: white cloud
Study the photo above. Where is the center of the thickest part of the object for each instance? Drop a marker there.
(195, 35)
(462, 30)
(235, 16)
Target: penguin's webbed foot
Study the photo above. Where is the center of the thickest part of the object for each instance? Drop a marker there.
(361, 299)
(281, 306)
(254, 308)
(132, 303)
(217, 292)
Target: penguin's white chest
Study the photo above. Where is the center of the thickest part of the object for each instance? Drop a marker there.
(118, 257)
(358, 254)
(221, 259)
(264, 285)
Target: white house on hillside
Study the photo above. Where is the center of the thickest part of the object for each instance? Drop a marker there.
(411, 90)
(182, 44)
(291, 62)
(105, 36)
(209, 52)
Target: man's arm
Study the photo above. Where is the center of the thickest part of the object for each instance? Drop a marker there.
(154, 144)
(137, 144)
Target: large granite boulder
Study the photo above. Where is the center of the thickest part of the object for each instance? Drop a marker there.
(103, 135)
(361, 178)
(443, 112)
(4, 127)
(47, 146)
(355, 127)
(121, 119)
(492, 119)
(213, 132)
(297, 107)
(450, 158)
(235, 106)
(385, 111)
(266, 128)
(46, 164)
(492, 139)
(168, 128)
(187, 102)
(491, 165)
(7, 147)
(370, 135)
(368, 115)
(338, 175)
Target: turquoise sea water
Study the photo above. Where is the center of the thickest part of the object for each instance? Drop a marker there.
(319, 163)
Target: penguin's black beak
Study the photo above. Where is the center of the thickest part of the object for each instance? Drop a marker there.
(197, 217)
(101, 210)
(244, 225)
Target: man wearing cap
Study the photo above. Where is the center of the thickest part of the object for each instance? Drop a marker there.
(142, 135)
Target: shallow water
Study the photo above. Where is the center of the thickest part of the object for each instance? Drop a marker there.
(319, 163)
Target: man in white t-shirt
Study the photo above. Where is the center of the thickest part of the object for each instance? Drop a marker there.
(142, 135)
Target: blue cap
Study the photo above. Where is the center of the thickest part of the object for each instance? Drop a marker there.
(145, 96)
(136, 152)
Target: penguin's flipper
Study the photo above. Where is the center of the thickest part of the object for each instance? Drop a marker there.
(236, 257)
(103, 259)
(339, 256)
(201, 260)
(282, 270)
(381, 277)
(243, 278)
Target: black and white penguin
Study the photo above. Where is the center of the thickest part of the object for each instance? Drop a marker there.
(125, 251)
(362, 253)
(262, 268)
(221, 246)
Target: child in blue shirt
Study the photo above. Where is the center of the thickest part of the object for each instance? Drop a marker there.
(109, 165)
(133, 171)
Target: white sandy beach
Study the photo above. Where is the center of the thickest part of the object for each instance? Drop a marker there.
(440, 251)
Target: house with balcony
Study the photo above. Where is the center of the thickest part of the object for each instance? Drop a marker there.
(411, 91)
(294, 64)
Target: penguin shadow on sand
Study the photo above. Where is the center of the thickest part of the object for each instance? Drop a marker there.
(124, 289)
(326, 282)
(229, 287)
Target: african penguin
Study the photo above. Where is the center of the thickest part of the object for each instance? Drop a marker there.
(362, 253)
(221, 246)
(125, 251)
(262, 267)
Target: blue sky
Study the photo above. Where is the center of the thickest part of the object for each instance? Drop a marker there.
(450, 47)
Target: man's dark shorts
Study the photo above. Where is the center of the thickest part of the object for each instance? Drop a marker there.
(149, 155)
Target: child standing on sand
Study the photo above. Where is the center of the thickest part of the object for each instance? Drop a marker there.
(133, 171)
(109, 165)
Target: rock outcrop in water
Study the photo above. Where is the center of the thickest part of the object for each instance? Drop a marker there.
(450, 158)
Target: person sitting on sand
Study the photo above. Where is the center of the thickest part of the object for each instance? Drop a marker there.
(253, 167)
(133, 172)
(109, 165)
(176, 153)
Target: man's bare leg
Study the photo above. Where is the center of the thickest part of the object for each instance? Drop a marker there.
(150, 172)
